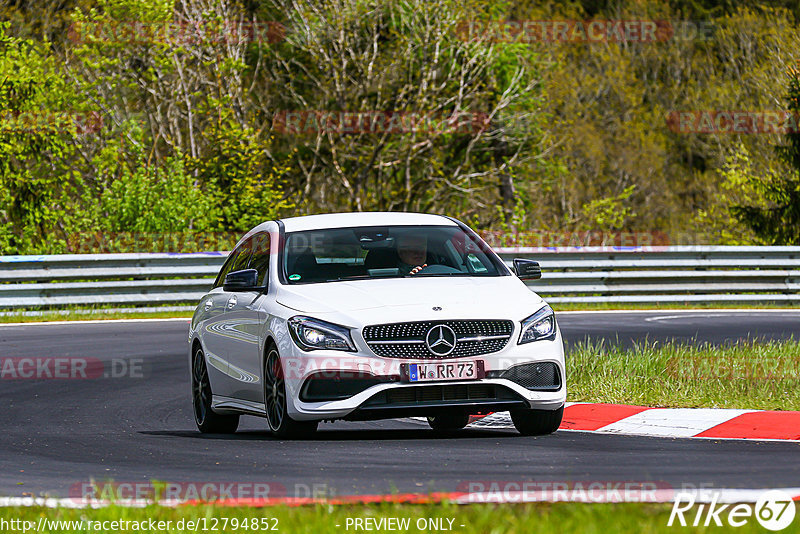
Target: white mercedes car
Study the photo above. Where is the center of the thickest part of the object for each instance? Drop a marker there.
(361, 316)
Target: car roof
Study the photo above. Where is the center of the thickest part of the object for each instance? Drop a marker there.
(374, 218)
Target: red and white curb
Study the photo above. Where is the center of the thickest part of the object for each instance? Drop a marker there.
(711, 423)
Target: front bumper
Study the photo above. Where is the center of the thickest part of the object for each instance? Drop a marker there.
(391, 397)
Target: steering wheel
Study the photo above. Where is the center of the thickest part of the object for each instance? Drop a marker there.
(437, 269)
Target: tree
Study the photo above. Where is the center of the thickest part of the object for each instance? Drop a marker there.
(392, 63)
(777, 220)
(39, 167)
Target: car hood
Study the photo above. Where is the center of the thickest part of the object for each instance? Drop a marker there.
(406, 299)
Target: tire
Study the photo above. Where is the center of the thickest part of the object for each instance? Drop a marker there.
(537, 422)
(280, 424)
(208, 421)
(448, 422)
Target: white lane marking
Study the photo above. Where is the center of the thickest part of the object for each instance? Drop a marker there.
(713, 438)
(493, 420)
(672, 422)
(572, 494)
(709, 310)
(52, 502)
(661, 495)
(98, 321)
(698, 315)
(595, 312)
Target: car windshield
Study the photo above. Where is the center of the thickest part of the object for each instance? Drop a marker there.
(336, 254)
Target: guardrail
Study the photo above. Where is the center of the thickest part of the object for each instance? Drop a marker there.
(586, 274)
(665, 274)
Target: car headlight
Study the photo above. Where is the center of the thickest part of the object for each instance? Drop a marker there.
(540, 325)
(313, 334)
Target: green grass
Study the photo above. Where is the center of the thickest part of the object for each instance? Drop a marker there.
(556, 518)
(94, 314)
(589, 306)
(763, 375)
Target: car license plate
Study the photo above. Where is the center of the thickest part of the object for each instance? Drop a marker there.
(442, 371)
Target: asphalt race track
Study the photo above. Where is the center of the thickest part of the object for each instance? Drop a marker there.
(58, 433)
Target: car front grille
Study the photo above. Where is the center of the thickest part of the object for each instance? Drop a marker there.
(407, 340)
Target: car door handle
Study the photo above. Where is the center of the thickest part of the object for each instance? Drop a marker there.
(232, 302)
(208, 305)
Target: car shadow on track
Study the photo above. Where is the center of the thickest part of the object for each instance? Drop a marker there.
(360, 434)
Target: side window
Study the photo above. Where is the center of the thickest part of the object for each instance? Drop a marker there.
(235, 262)
(243, 258)
(226, 268)
(260, 260)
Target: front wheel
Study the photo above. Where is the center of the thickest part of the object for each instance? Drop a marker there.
(280, 424)
(208, 422)
(537, 422)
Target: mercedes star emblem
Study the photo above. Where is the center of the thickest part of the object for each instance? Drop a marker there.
(441, 340)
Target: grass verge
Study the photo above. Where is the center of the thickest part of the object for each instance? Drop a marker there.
(747, 375)
(98, 314)
(94, 315)
(590, 306)
(476, 518)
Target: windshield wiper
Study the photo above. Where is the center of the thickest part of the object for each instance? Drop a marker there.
(437, 274)
(360, 277)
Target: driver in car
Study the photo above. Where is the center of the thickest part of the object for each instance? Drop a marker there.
(412, 251)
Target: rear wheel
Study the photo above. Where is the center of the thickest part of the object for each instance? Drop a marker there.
(280, 423)
(537, 422)
(206, 419)
(448, 422)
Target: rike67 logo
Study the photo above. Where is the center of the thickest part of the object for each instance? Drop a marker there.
(774, 510)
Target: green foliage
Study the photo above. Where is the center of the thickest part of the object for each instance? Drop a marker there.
(38, 122)
(155, 198)
(737, 187)
(609, 214)
(775, 219)
(577, 139)
(405, 58)
(240, 176)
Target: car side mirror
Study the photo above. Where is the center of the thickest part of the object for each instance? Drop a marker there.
(527, 269)
(244, 280)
